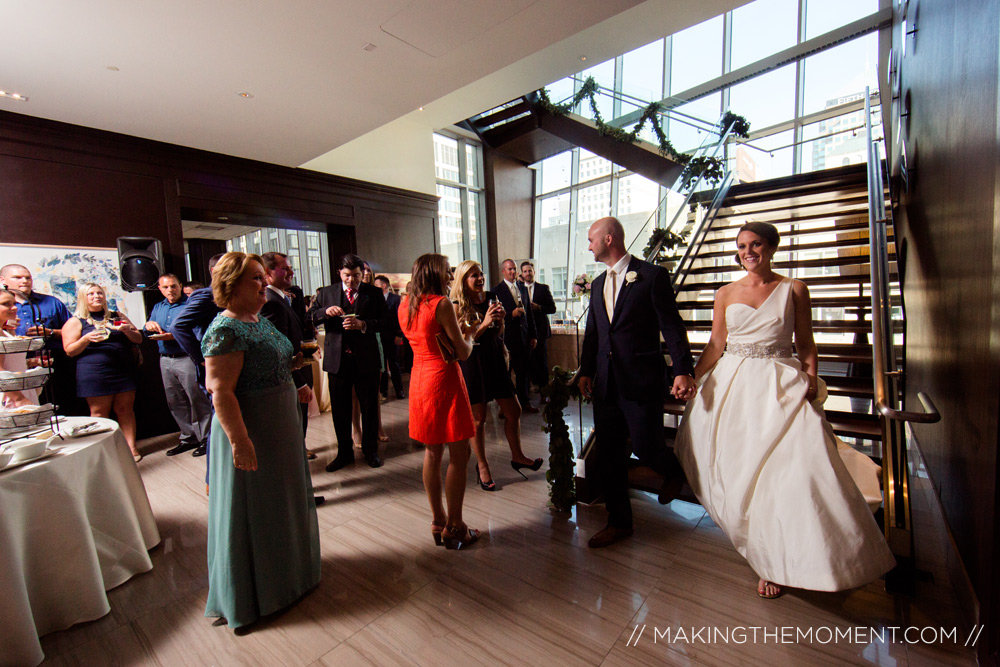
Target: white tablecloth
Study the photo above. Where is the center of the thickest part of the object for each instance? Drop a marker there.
(72, 526)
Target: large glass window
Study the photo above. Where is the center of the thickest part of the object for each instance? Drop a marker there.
(458, 167)
(825, 15)
(596, 188)
(307, 251)
(762, 28)
(767, 99)
(642, 72)
(696, 56)
(840, 72)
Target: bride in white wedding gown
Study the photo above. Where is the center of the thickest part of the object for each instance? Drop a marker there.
(757, 449)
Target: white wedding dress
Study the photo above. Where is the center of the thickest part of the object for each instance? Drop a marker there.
(768, 468)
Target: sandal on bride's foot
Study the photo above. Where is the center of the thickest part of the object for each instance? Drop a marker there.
(436, 530)
(457, 537)
(768, 590)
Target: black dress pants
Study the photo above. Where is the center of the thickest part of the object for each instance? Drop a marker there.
(365, 385)
(616, 421)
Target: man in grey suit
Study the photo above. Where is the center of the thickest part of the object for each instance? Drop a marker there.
(622, 368)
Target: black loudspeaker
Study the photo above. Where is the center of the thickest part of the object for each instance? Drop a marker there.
(141, 261)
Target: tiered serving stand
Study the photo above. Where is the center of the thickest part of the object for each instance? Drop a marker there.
(15, 426)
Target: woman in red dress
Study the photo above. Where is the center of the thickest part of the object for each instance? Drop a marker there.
(440, 412)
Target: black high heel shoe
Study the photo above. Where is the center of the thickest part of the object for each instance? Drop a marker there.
(486, 486)
(533, 466)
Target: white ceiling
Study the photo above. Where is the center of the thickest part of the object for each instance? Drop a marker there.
(181, 63)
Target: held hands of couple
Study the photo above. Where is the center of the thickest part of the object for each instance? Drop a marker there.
(684, 388)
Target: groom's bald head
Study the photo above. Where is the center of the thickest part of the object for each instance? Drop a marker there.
(607, 240)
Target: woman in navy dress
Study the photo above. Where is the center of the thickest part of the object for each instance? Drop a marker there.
(102, 341)
(485, 371)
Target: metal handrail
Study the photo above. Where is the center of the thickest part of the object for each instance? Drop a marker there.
(883, 354)
(698, 237)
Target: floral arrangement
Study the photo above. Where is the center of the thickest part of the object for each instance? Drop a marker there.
(581, 285)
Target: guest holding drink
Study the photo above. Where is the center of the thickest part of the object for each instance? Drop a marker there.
(485, 371)
(440, 412)
(103, 342)
(263, 538)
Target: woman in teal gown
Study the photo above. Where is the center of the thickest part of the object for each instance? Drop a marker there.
(263, 538)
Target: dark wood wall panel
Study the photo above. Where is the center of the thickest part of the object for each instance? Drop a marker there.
(510, 208)
(393, 240)
(949, 224)
(63, 204)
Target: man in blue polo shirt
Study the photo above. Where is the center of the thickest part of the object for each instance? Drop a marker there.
(187, 402)
(45, 315)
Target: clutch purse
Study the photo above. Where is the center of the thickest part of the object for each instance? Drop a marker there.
(446, 348)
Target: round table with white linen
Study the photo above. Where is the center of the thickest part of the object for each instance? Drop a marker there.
(73, 525)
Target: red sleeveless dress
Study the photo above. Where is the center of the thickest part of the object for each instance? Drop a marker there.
(439, 402)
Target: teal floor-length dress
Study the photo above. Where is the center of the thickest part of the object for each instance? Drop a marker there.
(263, 538)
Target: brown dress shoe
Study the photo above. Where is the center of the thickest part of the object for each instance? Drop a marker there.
(608, 536)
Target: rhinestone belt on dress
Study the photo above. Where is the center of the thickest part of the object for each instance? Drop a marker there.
(758, 351)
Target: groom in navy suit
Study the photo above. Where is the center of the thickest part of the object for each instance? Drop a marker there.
(623, 370)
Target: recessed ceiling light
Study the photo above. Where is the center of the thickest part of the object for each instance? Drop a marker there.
(583, 57)
(245, 95)
(14, 96)
(111, 68)
(420, 108)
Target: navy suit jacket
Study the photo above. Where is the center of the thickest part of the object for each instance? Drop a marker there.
(517, 330)
(191, 323)
(369, 306)
(390, 326)
(286, 320)
(629, 344)
(543, 297)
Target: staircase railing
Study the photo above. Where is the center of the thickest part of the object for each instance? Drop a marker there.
(887, 377)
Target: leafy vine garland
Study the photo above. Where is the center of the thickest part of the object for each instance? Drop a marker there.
(561, 472)
(711, 168)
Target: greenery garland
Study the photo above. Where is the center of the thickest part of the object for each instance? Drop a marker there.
(669, 239)
(561, 473)
(710, 168)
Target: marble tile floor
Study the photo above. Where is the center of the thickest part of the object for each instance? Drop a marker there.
(530, 592)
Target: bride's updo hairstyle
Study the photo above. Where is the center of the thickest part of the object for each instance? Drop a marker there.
(765, 230)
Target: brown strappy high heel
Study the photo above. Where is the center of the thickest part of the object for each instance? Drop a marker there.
(457, 537)
(436, 530)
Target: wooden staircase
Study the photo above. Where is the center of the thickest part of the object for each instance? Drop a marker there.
(823, 221)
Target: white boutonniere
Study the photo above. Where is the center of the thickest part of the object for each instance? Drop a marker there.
(631, 277)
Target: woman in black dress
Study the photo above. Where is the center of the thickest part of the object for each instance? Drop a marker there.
(103, 342)
(486, 375)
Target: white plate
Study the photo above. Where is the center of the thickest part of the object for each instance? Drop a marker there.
(17, 464)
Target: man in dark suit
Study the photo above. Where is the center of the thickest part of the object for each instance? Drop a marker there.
(279, 311)
(392, 339)
(542, 305)
(519, 329)
(352, 313)
(189, 328)
(623, 369)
